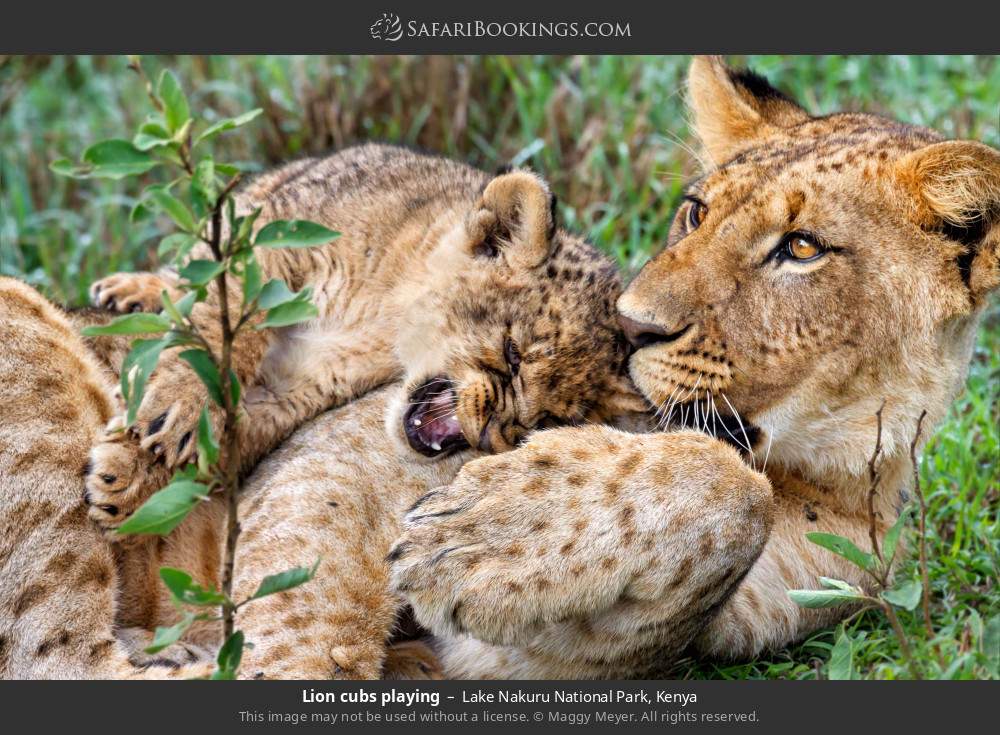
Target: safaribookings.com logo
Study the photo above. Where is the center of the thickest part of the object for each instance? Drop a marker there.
(387, 28)
(390, 28)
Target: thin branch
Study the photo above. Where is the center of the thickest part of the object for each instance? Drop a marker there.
(922, 541)
(874, 478)
(904, 645)
(135, 65)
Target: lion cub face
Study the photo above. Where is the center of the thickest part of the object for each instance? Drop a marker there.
(514, 328)
(820, 266)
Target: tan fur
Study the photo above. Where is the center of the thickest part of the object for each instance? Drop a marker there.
(63, 593)
(438, 268)
(345, 510)
(591, 552)
(805, 353)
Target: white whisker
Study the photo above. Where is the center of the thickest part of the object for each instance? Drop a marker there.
(753, 462)
(770, 438)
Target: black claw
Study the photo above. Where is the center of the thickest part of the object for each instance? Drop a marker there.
(111, 510)
(156, 424)
(183, 442)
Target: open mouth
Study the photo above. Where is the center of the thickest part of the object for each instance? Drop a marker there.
(430, 423)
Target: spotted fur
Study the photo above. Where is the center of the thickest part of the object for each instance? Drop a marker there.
(596, 569)
(439, 271)
(64, 593)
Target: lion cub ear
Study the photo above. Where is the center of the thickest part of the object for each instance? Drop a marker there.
(514, 219)
(734, 108)
(955, 189)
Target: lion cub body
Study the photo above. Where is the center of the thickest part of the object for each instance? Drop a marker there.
(456, 282)
(62, 591)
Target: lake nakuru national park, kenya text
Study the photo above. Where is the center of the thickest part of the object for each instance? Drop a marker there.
(416, 696)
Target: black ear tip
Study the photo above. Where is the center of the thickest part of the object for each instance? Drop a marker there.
(504, 169)
(757, 85)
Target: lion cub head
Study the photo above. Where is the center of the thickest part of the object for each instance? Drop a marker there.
(511, 328)
(820, 266)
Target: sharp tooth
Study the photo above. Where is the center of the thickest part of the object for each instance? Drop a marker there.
(436, 447)
(417, 422)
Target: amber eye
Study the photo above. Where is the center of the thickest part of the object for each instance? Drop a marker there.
(799, 247)
(695, 214)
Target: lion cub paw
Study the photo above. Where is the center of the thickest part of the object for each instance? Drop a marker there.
(128, 292)
(119, 477)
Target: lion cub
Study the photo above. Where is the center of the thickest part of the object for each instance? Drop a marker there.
(62, 587)
(456, 282)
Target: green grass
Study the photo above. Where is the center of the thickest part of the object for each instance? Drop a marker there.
(611, 135)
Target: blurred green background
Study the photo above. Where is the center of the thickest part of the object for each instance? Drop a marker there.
(610, 133)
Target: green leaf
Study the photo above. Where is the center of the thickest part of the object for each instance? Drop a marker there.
(234, 388)
(175, 105)
(185, 590)
(165, 509)
(139, 213)
(293, 312)
(293, 234)
(208, 447)
(835, 584)
(286, 580)
(175, 208)
(151, 135)
(227, 169)
(139, 323)
(177, 244)
(227, 124)
(109, 159)
(242, 226)
(252, 277)
(186, 303)
(905, 595)
(135, 371)
(823, 598)
(170, 309)
(168, 636)
(202, 364)
(891, 539)
(273, 293)
(116, 159)
(203, 186)
(841, 666)
(65, 167)
(230, 656)
(201, 272)
(843, 547)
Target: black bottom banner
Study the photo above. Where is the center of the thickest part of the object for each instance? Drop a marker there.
(225, 707)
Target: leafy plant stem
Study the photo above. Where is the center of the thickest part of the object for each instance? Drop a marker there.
(904, 645)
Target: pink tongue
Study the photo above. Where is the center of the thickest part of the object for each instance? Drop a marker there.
(438, 422)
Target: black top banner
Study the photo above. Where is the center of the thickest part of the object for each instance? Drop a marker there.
(513, 27)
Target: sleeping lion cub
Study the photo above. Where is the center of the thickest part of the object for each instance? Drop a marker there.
(453, 281)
